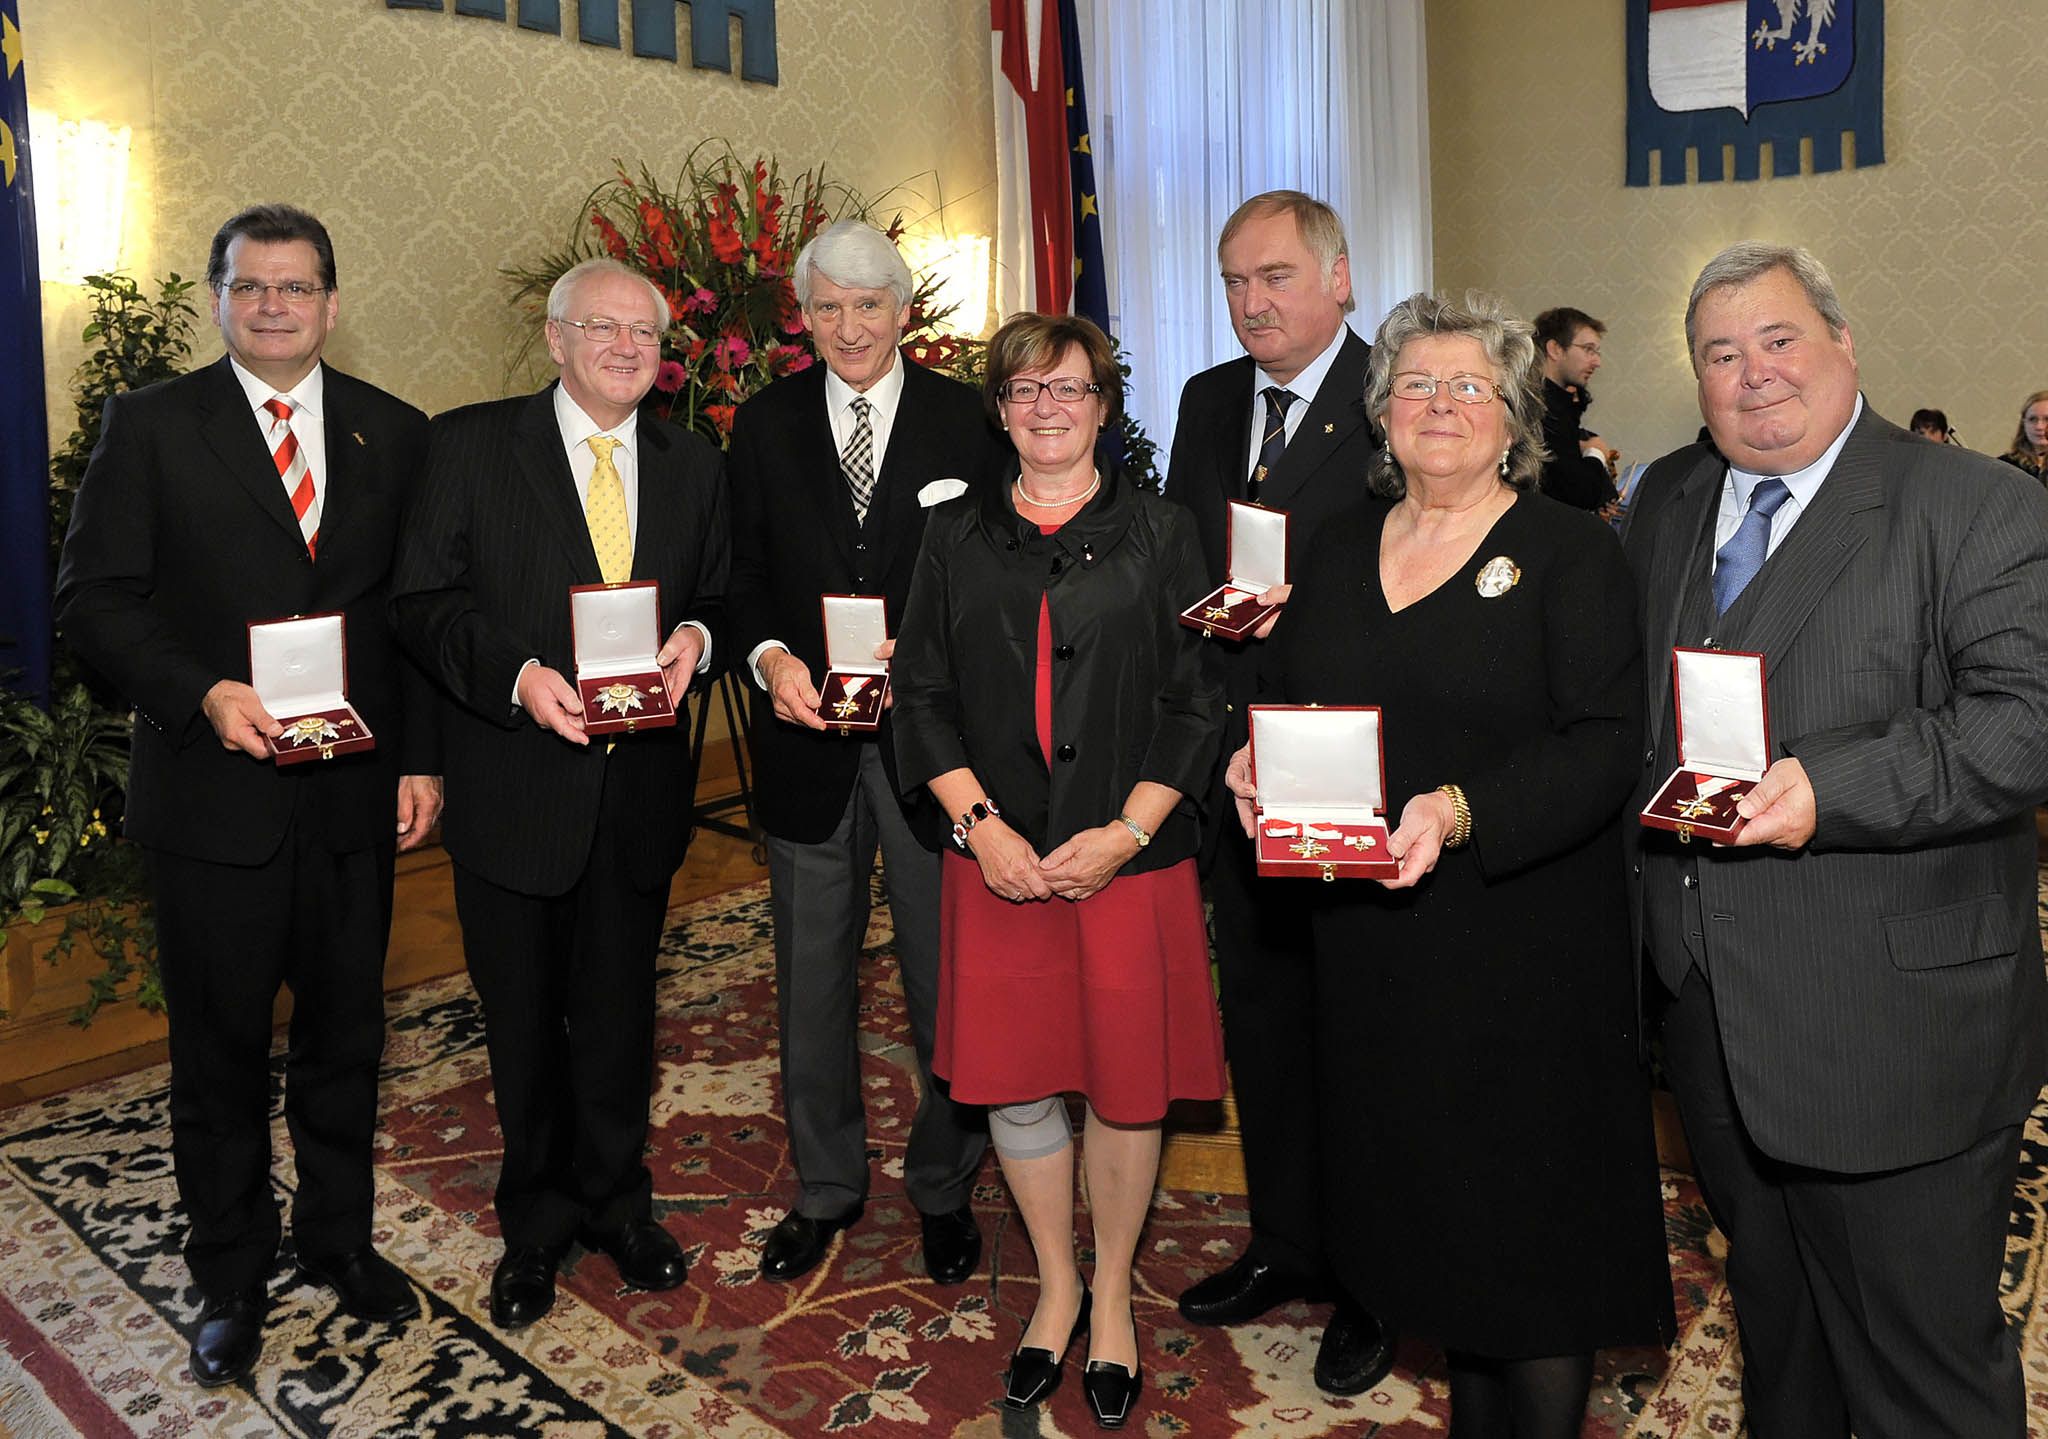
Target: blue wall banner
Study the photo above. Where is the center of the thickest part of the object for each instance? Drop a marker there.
(654, 27)
(1708, 74)
(24, 435)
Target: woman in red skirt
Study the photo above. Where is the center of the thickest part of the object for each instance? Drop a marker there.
(1050, 699)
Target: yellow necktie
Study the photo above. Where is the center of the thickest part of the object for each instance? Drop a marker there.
(604, 510)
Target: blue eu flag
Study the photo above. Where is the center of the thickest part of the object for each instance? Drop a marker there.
(24, 437)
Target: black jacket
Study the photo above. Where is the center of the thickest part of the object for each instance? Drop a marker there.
(1136, 695)
(1570, 475)
(794, 539)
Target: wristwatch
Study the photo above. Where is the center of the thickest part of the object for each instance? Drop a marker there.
(981, 810)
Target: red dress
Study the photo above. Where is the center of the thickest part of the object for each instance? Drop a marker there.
(1109, 997)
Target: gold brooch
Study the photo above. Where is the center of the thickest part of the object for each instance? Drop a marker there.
(1496, 577)
(310, 730)
(618, 698)
(1361, 841)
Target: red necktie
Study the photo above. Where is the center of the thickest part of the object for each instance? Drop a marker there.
(291, 468)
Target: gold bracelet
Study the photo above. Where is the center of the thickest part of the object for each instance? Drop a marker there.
(1461, 816)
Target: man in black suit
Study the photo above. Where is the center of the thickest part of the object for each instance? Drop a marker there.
(833, 471)
(564, 846)
(1855, 1029)
(203, 509)
(1580, 470)
(1285, 427)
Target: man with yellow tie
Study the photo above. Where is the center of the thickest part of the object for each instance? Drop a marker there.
(563, 847)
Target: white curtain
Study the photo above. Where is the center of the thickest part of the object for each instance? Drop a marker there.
(1196, 105)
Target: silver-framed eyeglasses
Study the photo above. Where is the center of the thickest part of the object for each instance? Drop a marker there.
(1587, 345)
(292, 292)
(603, 332)
(1465, 389)
(1067, 389)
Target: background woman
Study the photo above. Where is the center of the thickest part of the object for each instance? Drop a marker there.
(1490, 1148)
(1046, 694)
(2030, 442)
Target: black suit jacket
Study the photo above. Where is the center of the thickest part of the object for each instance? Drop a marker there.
(1320, 474)
(1880, 991)
(181, 536)
(794, 539)
(482, 586)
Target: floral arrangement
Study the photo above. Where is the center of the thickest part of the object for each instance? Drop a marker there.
(721, 242)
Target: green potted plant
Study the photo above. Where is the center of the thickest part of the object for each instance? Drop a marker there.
(66, 882)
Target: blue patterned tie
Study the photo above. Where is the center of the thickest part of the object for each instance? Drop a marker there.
(1737, 562)
(1277, 403)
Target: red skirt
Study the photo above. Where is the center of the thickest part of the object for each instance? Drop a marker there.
(1109, 998)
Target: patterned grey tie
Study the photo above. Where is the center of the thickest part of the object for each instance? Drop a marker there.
(857, 461)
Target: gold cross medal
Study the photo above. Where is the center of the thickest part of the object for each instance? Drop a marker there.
(1696, 808)
(849, 703)
(1309, 848)
(313, 729)
(618, 698)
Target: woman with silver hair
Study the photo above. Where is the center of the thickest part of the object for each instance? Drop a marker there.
(1489, 1167)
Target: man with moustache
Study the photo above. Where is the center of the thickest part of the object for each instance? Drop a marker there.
(564, 846)
(1580, 471)
(1855, 1029)
(833, 471)
(1284, 426)
(265, 485)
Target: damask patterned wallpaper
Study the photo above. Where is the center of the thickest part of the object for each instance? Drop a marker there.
(439, 147)
(1940, 254)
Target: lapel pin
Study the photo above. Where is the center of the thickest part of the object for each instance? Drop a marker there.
(359, 438)
(1330, 428)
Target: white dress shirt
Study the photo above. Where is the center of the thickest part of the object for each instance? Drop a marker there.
(1303, 387)
(883, 397)
(309, 400)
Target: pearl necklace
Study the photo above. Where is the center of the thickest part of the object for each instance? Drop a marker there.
(1024, 496)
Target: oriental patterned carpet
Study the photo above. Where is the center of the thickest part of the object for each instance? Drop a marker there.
(95, 1314)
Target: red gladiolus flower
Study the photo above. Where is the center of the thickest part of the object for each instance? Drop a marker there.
(614, 242)
(696, 351)
(721, 416)
(725, 240)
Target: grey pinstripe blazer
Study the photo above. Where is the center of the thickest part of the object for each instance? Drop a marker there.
(1881, 992)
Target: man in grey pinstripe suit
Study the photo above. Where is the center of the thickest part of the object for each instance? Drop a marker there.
(1855, 1033)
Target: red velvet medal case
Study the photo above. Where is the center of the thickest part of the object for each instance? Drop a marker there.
(1255, 560)
(299, 669)
(1724, 743)
(618, 632)
(850, 699)
(1320, 772)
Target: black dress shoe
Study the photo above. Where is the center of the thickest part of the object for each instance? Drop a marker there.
(1356, 1353)
(370, 1286)
(952, 1245)
(523, 1285)
(647, 1255)
(1034, 1373)
(1244, 1291)
(1111, 1390)
(798, 1242)
(230, 1338)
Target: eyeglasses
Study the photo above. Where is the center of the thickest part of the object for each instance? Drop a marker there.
(292, 292)
(1465, 389)
(1593, 350)
(1067, 389)
(603, 332)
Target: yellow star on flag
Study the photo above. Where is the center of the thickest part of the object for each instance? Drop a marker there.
(10, 44)
(1082, 147)
(7, 155)
(1070, 97)
(1088, 207)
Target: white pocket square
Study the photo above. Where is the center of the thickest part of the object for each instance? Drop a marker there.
(940, 491)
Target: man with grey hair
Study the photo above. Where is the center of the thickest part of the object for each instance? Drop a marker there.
(833, 472)
(564, 847)
(1283, 425)
(1855, 1024)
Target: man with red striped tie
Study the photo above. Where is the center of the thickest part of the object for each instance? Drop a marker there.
(262, 486)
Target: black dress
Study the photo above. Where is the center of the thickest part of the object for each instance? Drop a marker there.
(1489, 1167)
